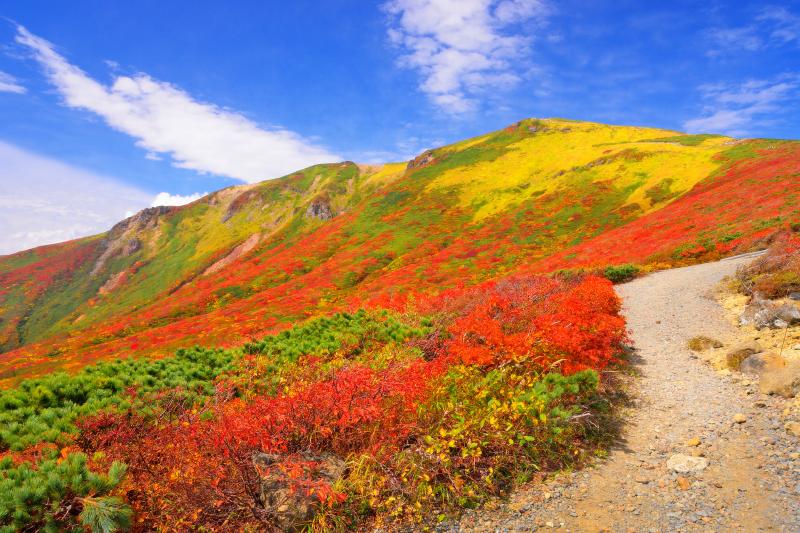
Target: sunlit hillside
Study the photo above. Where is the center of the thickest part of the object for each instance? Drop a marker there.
(540, 195)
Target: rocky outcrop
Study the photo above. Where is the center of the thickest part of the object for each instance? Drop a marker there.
(141, 221)
(320, 208)
(123, 239)
(239, 202)
(288, 499)
(424, 159)
(113, 282)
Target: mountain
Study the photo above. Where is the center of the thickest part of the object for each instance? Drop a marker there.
(538, 196)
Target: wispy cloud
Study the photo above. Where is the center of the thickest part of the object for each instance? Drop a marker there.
(164, 119)
(9, 84)
(44, 201)
(772, 26)
(462, 47)
(736, 109)
(165, 198)
(782, 24)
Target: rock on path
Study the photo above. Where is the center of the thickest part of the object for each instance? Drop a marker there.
(749, 479)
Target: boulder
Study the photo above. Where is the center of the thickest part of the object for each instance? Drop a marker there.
(783, 381)
(740, 352)
(761, 313)
(789, 313)
(288, 482)
(758, 363)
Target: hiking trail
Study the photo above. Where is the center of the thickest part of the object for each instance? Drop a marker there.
(752, 478)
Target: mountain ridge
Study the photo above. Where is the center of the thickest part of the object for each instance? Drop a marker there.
(541, 195)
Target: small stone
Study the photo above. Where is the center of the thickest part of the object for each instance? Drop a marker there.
(793, 428)
(549, 524)
(694, 441)
(686, 463)
(740, 418)
(697, 452)
(683, 483)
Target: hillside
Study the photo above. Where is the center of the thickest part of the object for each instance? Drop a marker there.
(538, 196)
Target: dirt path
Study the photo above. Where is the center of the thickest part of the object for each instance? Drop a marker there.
(752, 479)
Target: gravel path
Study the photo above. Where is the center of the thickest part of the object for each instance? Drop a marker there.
(752, 478)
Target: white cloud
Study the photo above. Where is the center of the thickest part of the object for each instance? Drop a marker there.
(166, 120)
(784, 26)
(773, 26)
(730, 39)
(44, 201)
(165, 198)
(736, 109)
(462, 47)
(9, 84)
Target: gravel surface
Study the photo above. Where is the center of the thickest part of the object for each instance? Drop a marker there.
(739, 467)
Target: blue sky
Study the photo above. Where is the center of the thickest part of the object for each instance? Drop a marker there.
(106, 105)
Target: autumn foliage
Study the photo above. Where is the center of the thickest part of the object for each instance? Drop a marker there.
(538, 197)
(776, 274)
(438, 406)
(573, 327)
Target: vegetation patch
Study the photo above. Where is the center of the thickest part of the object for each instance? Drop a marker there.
(437, 405)
(621, 273)
(702, 343)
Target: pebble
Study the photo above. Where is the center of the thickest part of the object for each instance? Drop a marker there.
(740, 418)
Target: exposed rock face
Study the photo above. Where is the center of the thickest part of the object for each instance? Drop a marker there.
(122, 239)
(113, 282)
(425, 158)
(143, 220)
(239, 202)
(320, 208)
(236, 253)
(133, 246)
(293, 507)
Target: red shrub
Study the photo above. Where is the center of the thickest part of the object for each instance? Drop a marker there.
(575, 324)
